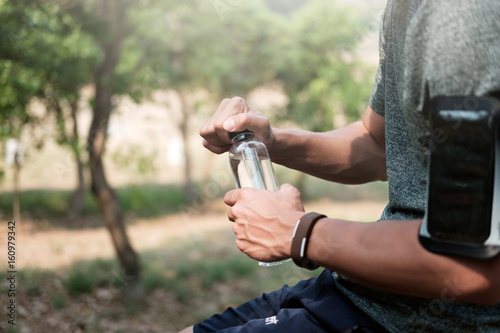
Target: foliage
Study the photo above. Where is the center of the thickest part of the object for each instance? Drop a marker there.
(185, 281)
(50, 49)
(30, 279)
(134, 158)
(84, 277)
(150, 200)
(190, 47)
(58, 300)
(18, 84)
(44, 54)
(146, 200)
(79, 282)
(285, 7)
(46, 203)
(319, 69)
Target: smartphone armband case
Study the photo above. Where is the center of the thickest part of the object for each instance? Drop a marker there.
(462, 215)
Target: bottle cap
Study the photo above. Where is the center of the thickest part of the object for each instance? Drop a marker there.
(244, 135)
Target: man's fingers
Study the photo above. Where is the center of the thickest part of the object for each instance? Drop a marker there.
(223, 104)
(215, 149)
(233, 115)
(239, 122)
(292, 195)
(230, 197)
(209, 127)
(251, 121)
(213, 130)
(230, 215)
(234, 106)
(286, 186)
(290, 189)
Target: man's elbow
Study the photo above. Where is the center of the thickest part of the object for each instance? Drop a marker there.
(485, 290)
(471, 281)
(488, 295)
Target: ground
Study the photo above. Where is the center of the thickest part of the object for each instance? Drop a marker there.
(173, 245)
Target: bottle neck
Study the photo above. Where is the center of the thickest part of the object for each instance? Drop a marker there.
(243, 136)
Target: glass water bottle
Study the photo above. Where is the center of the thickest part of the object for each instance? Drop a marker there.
(250, 163)
(252, 167)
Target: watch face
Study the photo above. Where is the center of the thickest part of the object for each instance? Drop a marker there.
(461, 176)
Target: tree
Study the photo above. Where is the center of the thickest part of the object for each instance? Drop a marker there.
(106, 23)
(18, 84)
(196, 46)
(81, 42)
(41, 39)
(320, 71)
(72, 55)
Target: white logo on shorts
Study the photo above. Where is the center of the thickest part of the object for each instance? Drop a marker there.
(271, 320)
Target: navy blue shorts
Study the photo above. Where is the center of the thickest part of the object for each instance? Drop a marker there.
(311, 306)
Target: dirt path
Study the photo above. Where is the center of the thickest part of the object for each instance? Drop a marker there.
(56, 248)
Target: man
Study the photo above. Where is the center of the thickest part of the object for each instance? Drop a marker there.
(385, 280)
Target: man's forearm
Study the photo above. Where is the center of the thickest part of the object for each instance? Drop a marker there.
(387, 255)
(348, 155)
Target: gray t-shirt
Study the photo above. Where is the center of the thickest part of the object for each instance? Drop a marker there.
(427, 48)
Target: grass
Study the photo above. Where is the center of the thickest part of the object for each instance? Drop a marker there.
(140, 200)
(149, 200)
(84, 277)
(161, 268)
(183, 282)
(31, 280)
(58, 300)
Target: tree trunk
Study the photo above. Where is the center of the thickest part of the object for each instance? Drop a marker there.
(76, 205)
(105, 195)
(186, 111)
(16, 205)
(114, 12)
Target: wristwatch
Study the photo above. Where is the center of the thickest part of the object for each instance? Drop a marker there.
(300, 240)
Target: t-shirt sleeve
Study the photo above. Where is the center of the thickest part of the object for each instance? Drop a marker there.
(377, 102)
(454, 50)
(377, 98)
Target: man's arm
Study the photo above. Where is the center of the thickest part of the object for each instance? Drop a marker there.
(387, 255)
(354, 154)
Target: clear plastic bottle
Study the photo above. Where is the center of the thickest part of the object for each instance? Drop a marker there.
(250, 163)
(252, 167)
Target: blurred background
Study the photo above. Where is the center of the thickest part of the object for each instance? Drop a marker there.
(120, 224)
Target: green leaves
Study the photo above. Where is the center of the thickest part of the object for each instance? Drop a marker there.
(320, 69)
(197, 48)
(52, 50)
(43, 54)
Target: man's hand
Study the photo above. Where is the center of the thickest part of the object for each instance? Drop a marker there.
(264, 221)
(234, 115)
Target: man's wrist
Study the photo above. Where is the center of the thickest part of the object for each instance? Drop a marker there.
(277, 147)
(300, 240)
(284, 141)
